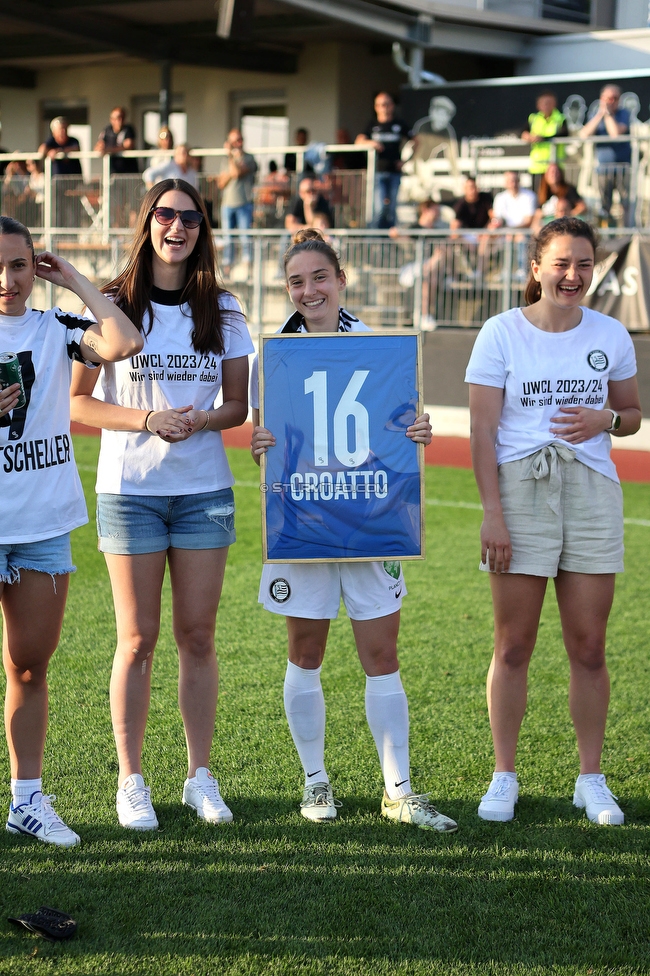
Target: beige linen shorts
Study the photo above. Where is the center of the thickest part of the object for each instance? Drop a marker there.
(561, 514)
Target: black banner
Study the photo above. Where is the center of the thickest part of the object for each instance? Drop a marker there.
(622, 281)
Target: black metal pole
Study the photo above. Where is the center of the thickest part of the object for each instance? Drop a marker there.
(164, 96)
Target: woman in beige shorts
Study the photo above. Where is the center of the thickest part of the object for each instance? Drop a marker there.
(549, 383)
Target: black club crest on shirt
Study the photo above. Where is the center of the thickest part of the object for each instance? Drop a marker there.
(280, 590)
(598, 360)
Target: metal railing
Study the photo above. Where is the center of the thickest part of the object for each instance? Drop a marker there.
(425, 279)
(101, 201)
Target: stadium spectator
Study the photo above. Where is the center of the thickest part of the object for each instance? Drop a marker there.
(114, 139)
(544, 124)
(553, 188)
(15, 185)
(561, 208)
(301, 138)
(236, 184)
(613, 169)
(179, 168)
(386, 134)
(165, 487)
(313, 593)
(473, 209)
(60, 142)
(165, 143)
(551, 499)
(303, 207)
(428, 219)
(42, 499)
(514, 208)
(36, 179)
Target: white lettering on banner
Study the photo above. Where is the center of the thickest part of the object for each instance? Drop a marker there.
(347, 407)
(313, 487)
(630, 285)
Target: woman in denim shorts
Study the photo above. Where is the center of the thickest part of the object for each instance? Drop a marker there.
(549, 383)
(42, 499)
(163, 481)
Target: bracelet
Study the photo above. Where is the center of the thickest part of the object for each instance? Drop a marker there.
(146, 421)
(207, 421)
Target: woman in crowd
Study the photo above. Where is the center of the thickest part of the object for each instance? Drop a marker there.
(315, 281)
(549, 383)
(553, 187)
(164, 485)
(42, 497)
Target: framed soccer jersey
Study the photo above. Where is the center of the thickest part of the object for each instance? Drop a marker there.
(343, 482)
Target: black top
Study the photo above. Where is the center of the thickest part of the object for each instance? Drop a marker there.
(390, 135)
(297, 209)
(163, 296)
(113, 139)
(64, 167)
(475, 214)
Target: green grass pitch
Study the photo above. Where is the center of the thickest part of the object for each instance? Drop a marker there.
(274, 894)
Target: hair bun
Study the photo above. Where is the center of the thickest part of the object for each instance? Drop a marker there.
(307, 234)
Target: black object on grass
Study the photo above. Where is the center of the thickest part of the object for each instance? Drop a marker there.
(49, 923)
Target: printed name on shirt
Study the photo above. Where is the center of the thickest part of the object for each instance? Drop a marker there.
(36, 455)
(564, 394)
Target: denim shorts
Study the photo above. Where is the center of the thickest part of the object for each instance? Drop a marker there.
(128, 525)
(51, 556)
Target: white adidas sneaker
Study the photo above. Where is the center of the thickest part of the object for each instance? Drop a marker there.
(38, 818)
(133, 803)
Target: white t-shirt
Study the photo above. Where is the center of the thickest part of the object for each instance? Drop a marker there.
(168, 373)
(543, 371)
(41, 493)
(295, 324)
(513, 211)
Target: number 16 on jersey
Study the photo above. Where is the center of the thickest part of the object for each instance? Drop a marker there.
(343, 482)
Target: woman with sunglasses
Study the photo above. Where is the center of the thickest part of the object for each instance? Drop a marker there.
(163, 481)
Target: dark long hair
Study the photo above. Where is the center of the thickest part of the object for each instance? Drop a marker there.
(545, 192)
(557, 228)
(131, 289)
(10, 226)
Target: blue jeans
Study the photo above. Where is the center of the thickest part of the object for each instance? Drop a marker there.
(386, 187)
(51, 556)
(239, 218)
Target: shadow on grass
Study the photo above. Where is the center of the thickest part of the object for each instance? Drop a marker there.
(548, 889)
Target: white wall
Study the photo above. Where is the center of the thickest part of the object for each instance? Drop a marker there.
(597, 51)
(312, 96)
(631, 13)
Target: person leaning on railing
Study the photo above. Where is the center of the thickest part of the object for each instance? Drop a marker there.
(614, 157)
(60, 142)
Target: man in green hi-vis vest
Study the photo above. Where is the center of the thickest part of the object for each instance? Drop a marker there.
(543, 125)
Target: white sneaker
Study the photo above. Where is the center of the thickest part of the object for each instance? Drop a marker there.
(38, 818)
(416, 809)
(133, 803)
(594, 796)
(318, 802)
(499, 801)
(202, 794)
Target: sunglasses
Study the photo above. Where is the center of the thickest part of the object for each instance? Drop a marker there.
(166, 216)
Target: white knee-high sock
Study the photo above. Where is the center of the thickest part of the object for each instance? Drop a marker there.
(387, 712)
(305, 710)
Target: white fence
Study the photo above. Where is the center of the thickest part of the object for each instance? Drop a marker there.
(424, 279)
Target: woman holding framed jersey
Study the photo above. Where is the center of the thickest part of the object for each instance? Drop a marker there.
(548, 384)
(42, 498)
(315, 281)
(164, 485)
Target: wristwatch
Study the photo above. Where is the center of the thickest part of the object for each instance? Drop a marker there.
(616, 421)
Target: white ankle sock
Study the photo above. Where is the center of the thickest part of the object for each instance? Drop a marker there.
(305, 710)
(387, 712)
(22, 789)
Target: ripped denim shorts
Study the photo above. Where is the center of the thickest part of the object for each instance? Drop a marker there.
(128, 525)
(51, 556)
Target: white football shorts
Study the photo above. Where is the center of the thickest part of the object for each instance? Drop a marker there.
(314, 590)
